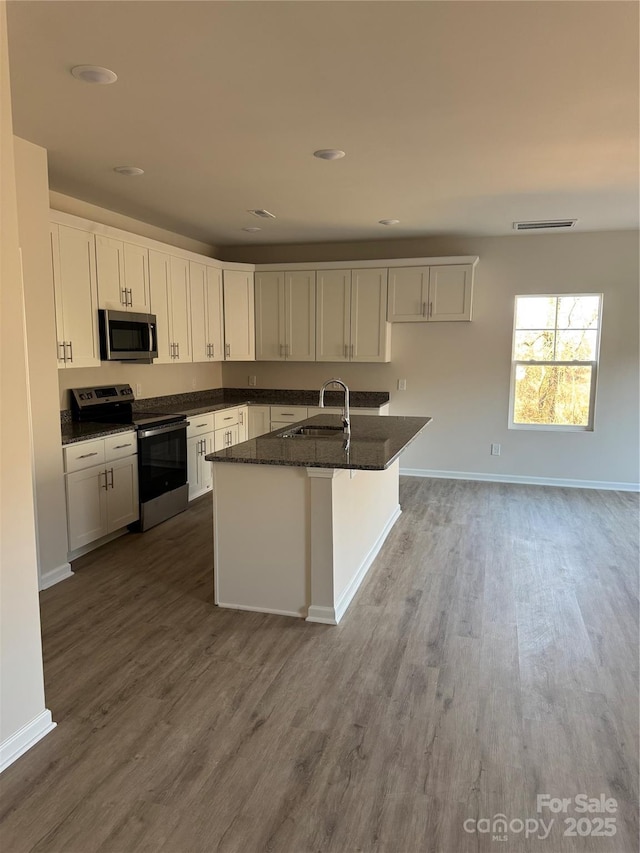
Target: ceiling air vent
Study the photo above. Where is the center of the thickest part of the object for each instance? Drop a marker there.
(262, 213)
(543, 224)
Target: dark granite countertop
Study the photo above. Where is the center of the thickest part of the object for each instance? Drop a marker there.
(200, 402)
(73, 432)
(375, 443)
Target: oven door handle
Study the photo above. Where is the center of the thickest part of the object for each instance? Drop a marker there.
(149, 433)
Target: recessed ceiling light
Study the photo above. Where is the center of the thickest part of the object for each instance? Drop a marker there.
(262, 213)
(329, 154)
(388, 221)
(94, 74)
(252, 230)
(129, 171)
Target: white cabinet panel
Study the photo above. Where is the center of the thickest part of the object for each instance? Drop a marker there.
(180, 308)
(259, 420)
(243, 423)
(123, 275)
(136, 277)
(170, 302)
(122, 493)
(450, 292)
(333, 315)
(300, 316)
(120, 445)
(206, 312)
(370, 332)
(86, 506)
(270, 316)
(408, 299)
(239, 318)
(225, 437)
(76, 296)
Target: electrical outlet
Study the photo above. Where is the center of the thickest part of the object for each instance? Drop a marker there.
(252, 381)
(402, 384)
(495, 449)
(138, 390)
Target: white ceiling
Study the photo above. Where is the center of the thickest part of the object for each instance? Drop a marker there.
(457, 117)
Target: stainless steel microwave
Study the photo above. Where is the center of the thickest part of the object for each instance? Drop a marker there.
(126, 336)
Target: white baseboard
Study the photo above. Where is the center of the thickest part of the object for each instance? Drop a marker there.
(54, 576)
(323, 615)
(260, 609)
(26, 737)
(524, 480)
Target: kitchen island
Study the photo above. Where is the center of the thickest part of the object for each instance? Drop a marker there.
(299, 519)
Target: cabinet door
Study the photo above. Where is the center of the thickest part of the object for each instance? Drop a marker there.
(199, 321)
(259, 420)
(243, 423)
(450, 292)
(239, 319)
(159, 288)
(180, 309)
(78, 294)
(333, 315)
(110, 272)
(86, 506)
(408, 298)
(135, 261)
(234, 437)
(57, 294)
(370, 332)
(194, 451)
(270, 316)
(300, 316)
(213, 284)
(122, 493)
(206, 468)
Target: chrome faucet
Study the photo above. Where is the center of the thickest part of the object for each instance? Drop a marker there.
(346, 422)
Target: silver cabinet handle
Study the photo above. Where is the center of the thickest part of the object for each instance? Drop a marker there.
(287, 415)
(87, 455)
(111, 472)
(130, 296)
(104, 474)
(213, 351)
(62, 357)
(204, 446)
(201, 425)
(431, 309)
(173, 351)
(227, 350)
(178, 350)
(424, 309)
(70, 345)
(241, 417)
(229, 418)
(120, 446)
(123, 295)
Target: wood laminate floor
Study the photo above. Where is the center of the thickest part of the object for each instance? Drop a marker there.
(490, 656)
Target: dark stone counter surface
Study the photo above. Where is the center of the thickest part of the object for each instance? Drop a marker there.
(199, 402)
(375, 443)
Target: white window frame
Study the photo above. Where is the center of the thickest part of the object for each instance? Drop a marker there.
(589, 427)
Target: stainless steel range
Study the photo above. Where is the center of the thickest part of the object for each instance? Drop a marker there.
(162, 448)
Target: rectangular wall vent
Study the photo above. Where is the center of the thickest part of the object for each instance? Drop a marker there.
(544, 223)
(262, 213)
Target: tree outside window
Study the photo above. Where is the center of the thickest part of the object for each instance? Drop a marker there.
(556, 342)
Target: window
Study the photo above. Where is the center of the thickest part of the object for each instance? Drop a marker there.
(556, 340)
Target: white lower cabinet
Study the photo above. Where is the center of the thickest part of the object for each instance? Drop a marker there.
(198, 469)
(259, 420)
(101, 500)
(243, 423)
(226, 437)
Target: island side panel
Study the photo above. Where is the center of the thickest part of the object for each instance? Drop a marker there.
(261, 522)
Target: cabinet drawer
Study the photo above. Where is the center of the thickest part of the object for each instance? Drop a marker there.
(288, 414)
(84, 454)
(200, 424)
(328, 410)
(225, 418)
(120, 445)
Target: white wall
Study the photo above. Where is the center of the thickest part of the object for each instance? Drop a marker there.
(23, 717)
(33, 223)
(459, 373)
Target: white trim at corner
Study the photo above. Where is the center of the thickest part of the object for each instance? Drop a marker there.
(323, 615)
(252, 609)
(333, 615)
(54, 576)
(523, 480)
(26, 737)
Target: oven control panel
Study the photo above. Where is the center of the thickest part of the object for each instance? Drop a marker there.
(101, 394)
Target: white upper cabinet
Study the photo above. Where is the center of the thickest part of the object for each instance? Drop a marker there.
(206, 312)
(430, 293)
(123, 275)
(370, 332)
(351, 316)
(285, 316)
(170, 302)
(450, 292)
(76, 296)
(239, 318)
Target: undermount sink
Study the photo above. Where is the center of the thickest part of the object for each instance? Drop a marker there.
(315, 432)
